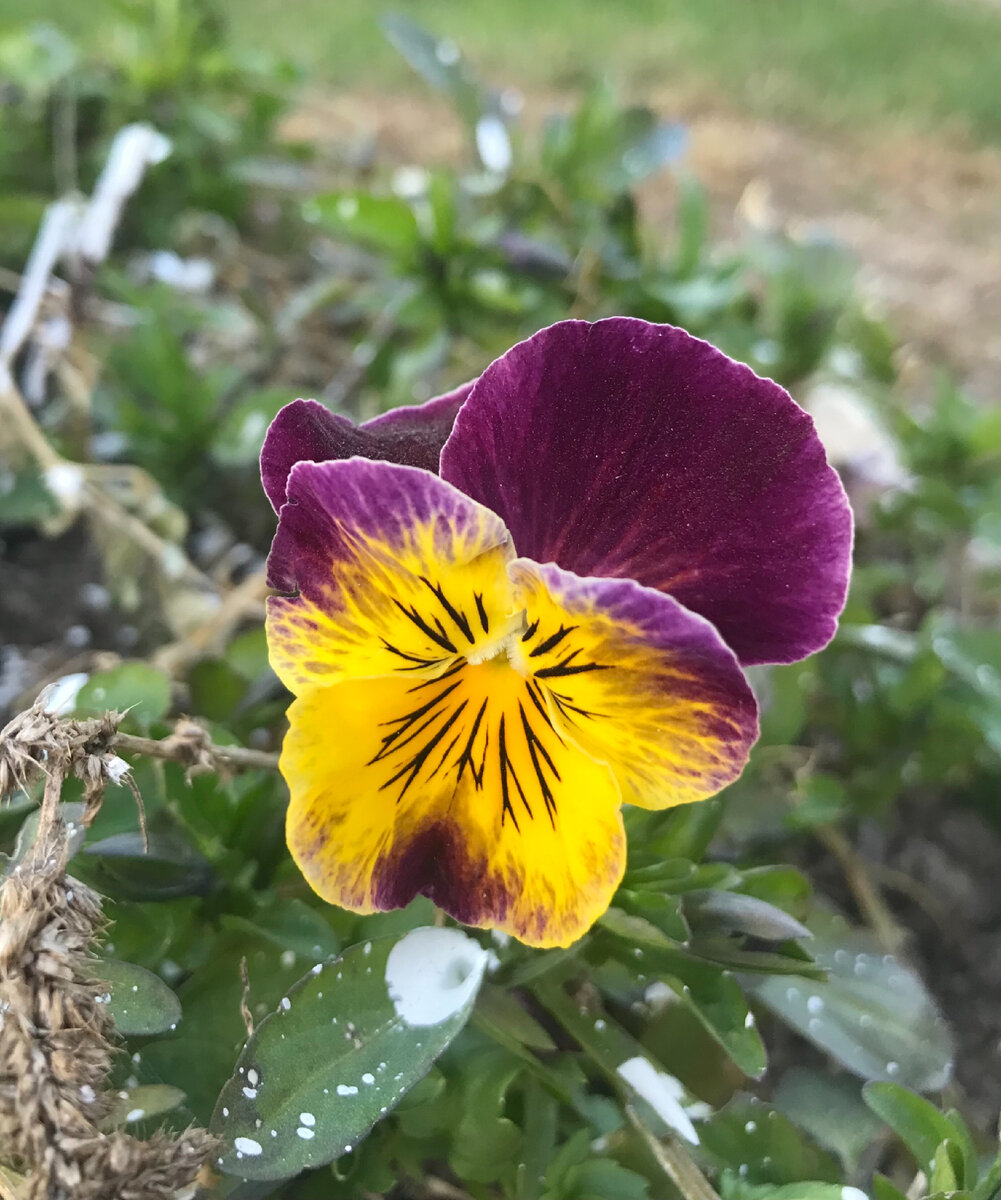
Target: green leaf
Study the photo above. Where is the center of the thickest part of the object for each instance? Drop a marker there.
(733, 912)
(693, 225)
(883, 1189)
(167, 867)
(831, 1110)
(872, 1013)
(291, 925)
(542, 1114)
(140, 1002)
(946, 1168)
(499, 1009)
(71, 812)
(916, 1121)
(749, 1132)
(26, 499)
(718, 1002)
(485, 1143)
(637, 931)
(135, 688)
(142, 1103)
(439, 62)
(812, 1191)
(237, 440)
(605, 1179)
(382, 222)
(626, 1064)
(347, 1042)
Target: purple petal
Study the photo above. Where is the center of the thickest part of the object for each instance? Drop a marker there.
(624, 449)
(306, 431)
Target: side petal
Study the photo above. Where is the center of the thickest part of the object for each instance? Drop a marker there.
(307, 431)
(388, 570)
(635, 451)
(637, 681)
(456, 789)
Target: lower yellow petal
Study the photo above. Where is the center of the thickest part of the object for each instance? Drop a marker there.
(457, 788)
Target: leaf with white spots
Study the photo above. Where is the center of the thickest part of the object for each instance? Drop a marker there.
(141, 1103)
(764, 1146)
(347, 1042)
(872, 1013)
(139, 1001)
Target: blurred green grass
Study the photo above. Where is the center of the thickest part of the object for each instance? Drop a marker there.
(911, 64)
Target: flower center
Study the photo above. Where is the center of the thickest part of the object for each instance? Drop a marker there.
(501, 649)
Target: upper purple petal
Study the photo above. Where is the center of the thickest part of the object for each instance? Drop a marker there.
(629, 450)
(306, 431)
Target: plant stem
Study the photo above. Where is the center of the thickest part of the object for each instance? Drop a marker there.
(179, 748)
(674, 1160)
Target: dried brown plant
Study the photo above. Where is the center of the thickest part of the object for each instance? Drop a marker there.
(56, 1032)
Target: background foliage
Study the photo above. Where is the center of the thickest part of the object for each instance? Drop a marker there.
(749, 954)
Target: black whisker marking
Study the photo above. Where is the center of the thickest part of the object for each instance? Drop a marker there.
(465, 759)
(440, 638)
(420, 758)
(565, 668)
(534, 747)
(457, 616)
(535, 693)
(418, 663)
(530, 632)
(565, 704)
(506, 809)
(452, 670)
(552, 641)
(478, 597)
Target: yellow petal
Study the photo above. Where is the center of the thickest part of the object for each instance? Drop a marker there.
(395, 572)
(637, 681)
(456, 788)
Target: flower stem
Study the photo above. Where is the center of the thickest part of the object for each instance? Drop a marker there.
(674, 1160)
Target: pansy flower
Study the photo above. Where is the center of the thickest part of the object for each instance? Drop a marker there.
(507, 612)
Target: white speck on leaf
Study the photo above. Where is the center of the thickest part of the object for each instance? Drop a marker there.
(305, 1133)
(307, 1119)
(134, 1114)
(285, 1003)
(287, 958)
(853, 1193)
(662, 1092)
(814, 1004)
(368, 1077)
(252, 1077)
(345, 1089)
(245, 1145)
(250, 1093)
(431, 974)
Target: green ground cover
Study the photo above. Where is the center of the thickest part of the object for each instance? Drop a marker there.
(921, 64)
